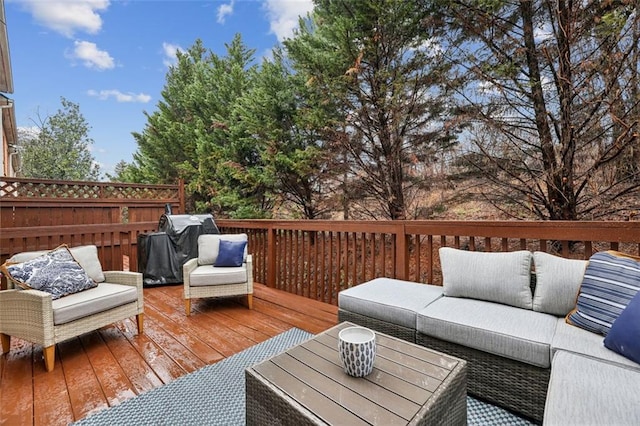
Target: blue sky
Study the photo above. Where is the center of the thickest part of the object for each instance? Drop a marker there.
(111, 57)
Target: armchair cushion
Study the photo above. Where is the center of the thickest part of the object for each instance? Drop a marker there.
(102, 298)
(230, 253)
(209, 246)
(86, 256)
(55, 272)
(207, 275)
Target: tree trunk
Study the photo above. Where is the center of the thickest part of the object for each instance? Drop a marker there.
(558, 170)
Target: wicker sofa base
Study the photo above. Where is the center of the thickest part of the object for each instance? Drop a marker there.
(514, 385)
(390, 329)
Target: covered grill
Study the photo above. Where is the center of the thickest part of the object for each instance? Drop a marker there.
(161, 254)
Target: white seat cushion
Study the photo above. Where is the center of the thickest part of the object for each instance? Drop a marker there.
(584, 391)
(210, 275)
(514, 333)
(88, 302)
(389, 300)
(575, 339)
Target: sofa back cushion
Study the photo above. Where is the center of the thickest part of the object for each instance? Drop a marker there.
(209, 246)
(557, 283)
(496, 277)
(86, 256)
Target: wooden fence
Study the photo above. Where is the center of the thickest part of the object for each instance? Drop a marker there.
(317, 259)
(42, 214)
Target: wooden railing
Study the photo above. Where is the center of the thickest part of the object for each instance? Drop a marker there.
(317, 259)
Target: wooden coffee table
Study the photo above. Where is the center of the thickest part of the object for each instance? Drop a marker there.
(306, 384)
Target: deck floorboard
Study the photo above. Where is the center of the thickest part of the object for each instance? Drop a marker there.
(108, 366)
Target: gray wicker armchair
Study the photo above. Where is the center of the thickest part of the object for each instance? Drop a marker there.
(202, 279)
(32, 315)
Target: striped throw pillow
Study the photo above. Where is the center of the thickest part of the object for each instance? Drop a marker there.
(610, 281)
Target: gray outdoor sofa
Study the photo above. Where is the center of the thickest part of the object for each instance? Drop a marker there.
(509, 324)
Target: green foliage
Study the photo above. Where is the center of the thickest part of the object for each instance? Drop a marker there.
(61, 149)
(191, 135)
(373, 64)
(273, 116)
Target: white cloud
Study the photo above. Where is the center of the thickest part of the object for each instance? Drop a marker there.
(283, 15)
(91, 56)
(224, 10)
(68, 16)
(119, 96)
(169, 50)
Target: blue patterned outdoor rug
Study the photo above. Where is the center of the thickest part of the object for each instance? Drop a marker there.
(215, 395)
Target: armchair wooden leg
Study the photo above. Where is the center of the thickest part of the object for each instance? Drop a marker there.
(187, 306)
(49, 357)
(6, 342)
(250, 301)
(140, 322)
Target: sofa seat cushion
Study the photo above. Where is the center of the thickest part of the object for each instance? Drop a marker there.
(519, 334)
(390, 300)
(98, 299)
(585, 391)
(577, 340)
(211, 275)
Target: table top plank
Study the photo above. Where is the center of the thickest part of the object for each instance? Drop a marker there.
(406, 381)
(417, 393)
(325, 408)
(352, 401)
(409, 364)
(370, 389)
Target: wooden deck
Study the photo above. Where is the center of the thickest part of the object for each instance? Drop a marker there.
(106, 367)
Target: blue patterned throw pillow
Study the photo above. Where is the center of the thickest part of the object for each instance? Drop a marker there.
(55, 272)
(610, 281)
(624, 336)
(230, 253)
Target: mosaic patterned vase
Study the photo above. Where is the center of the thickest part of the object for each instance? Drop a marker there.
(357, 348)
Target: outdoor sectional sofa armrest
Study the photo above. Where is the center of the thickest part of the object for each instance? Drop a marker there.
(27, 314)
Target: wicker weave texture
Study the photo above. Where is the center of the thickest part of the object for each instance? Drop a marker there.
(514, 385)
(28, 314)
(268, 406)
(404, 333)
(454, 391)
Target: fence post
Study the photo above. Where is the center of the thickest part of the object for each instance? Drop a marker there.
(402, 252)
(181, 196)
(271, 256)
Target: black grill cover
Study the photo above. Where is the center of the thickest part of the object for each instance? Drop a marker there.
(162, 254)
